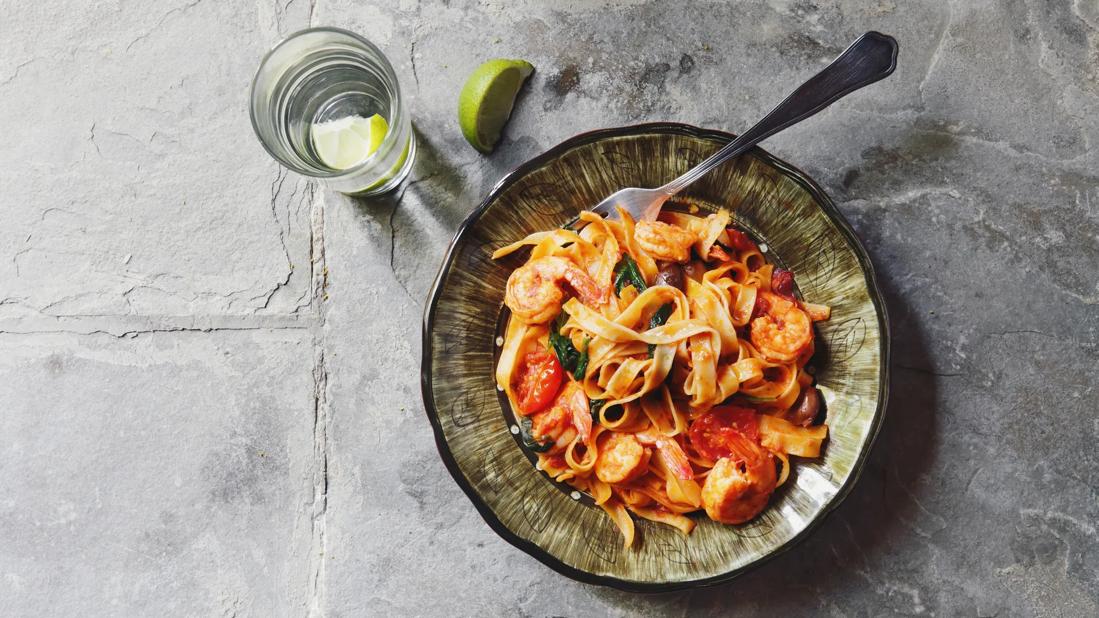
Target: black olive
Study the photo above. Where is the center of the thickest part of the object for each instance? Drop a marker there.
(671, 274)
(695, 269)
(806, 408)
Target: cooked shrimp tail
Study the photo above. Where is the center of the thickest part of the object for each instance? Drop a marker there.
(670, 454)
(576, 400)
(535, 290)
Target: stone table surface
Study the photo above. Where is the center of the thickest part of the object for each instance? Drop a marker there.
(209, 396)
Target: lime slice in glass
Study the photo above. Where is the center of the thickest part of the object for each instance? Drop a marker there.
(391, 173)
(348, 141)
(485, 103)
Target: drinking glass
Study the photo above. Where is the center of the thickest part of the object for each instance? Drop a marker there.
(320, 75)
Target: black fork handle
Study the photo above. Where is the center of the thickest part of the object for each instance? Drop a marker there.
(872, 57)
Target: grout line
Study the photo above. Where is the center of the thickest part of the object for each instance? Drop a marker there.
(320, 482)
(134, 326)
(319, 271)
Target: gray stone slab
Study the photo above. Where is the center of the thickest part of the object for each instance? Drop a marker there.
(970, 176)
(162, 474)
(136, 173)
(230, 421)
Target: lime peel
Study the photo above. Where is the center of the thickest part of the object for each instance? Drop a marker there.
(345, 142)
(486, 100)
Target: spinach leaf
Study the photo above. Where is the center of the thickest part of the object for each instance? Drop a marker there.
(595, 405)
(661, 316)
(574, 361)
(582, 361)
(659, 319)
(528, 438)
(564, 350)
(626, 273)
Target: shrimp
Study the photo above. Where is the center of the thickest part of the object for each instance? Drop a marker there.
(670, 453)
(621, 459)
(554, 425)
(568, 417)
(782, 331)
(575, 401)
(738, 487)
(534, 290)
(665, 242)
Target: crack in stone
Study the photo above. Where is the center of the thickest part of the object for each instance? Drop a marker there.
(934, 61)
(319, 282)
(1047, 516)
(415, 41)
(320, 481)
(64, 299)
(15, 258)
(318, 269)
(276, 189)
(972, 478)
(1092, 299)
(135, 333)
(15, 73)
(91, 138)
(412, 60)
(393, 234)
(393, 240)
(1024, 332)
(160, 22)
(127, 135)
(122, 326)
(905, 197)
(1080, 15)
(280, 13)
(1083, 345)
(315, 237)
(1004, 147)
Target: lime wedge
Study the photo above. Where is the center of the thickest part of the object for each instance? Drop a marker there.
(348, 141)
(391, 173)
(485, 103)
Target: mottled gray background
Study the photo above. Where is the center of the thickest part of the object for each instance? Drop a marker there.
(209, 396)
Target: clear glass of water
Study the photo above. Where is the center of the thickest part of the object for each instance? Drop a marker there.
(328, 77)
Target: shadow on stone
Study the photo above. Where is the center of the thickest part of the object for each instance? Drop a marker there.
(432, 176)
(415, 222)
(919, 153)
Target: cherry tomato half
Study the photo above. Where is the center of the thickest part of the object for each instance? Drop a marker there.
(537, 381)
(739, 240)
(721, 431)
(782, 283)
(717, 253)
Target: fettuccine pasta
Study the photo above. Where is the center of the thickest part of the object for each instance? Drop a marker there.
(660, 366)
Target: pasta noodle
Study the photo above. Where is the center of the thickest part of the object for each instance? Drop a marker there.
(660, 366)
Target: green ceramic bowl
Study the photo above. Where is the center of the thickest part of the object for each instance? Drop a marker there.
(802, 231)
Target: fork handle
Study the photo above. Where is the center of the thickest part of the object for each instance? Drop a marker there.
(873, 56)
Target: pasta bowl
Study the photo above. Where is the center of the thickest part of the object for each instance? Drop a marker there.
(800, 229)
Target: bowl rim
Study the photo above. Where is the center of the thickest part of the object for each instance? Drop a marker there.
(537, 552)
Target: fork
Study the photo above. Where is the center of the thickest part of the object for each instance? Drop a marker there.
(872, 57)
